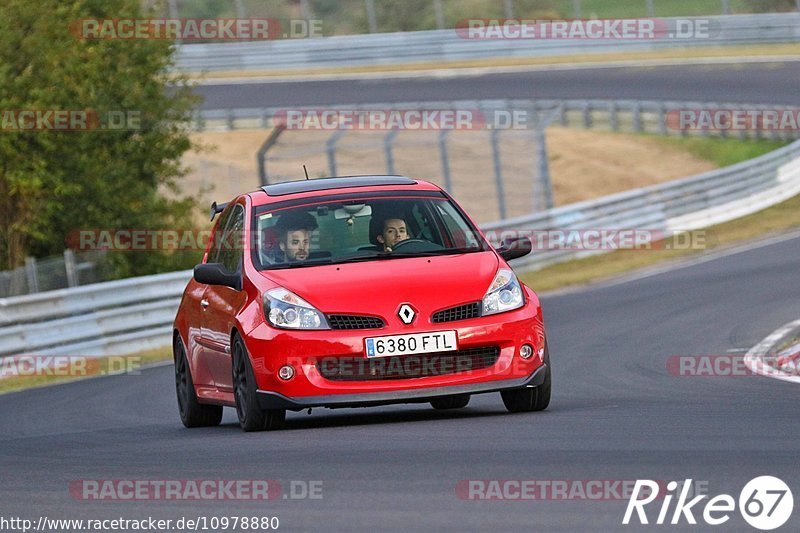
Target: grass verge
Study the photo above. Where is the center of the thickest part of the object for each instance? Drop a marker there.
(73, 368)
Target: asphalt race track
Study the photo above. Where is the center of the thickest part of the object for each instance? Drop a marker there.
(616, 414)
(765, 83)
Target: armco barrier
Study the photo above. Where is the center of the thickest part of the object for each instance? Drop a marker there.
(436, 47)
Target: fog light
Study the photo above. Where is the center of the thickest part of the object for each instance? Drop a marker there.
(286, 372)
(526, 351)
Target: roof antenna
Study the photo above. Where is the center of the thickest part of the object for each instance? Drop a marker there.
(306, 171)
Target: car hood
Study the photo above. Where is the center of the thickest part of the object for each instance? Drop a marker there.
(380, 287)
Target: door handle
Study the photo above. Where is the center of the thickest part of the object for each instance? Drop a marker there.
(203, 303)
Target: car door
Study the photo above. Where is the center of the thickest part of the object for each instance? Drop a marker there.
(220, 304)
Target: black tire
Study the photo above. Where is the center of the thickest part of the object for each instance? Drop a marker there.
(193, 413)
(530, 398)
(251, 416)
(456, 401)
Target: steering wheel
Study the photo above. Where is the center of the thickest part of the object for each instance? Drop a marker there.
(416, 245)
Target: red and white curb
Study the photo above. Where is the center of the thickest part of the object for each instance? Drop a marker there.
(785, 366)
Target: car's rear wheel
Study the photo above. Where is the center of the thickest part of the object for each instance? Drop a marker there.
(193, 413)
(530, 398)
(457, 401)
(251, 416)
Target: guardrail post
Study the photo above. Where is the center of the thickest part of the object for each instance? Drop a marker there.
(726, 7)
(371, 20)
(509, 8)
(562, 113)
(173, 13)
(69, 267)
(613, 119)
(587, 115)
(798, 4)
(651, 10)
(637, 117)
(240, 9)
(662, 119)
(448, 184)
(498, 174)
(439, 10)
(387, 148)
(330, 147)
(32, 275)
(230, 121)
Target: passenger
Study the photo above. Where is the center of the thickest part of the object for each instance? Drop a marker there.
(294, 235)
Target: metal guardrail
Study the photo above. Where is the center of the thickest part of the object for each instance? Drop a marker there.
(135, 314)
(440, 46)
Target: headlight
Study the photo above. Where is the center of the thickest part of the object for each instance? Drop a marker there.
(284, 309)
(504, 293)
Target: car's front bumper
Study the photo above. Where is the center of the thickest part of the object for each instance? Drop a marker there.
(274, 400)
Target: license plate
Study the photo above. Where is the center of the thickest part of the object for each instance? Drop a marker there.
(412, 343)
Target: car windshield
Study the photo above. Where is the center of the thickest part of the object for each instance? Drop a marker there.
(361, 229)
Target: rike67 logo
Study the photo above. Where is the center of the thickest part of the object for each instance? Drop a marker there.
(765, 503)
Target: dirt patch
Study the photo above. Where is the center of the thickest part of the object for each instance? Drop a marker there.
(583, 164)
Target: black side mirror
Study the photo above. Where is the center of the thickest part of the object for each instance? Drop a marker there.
(216, 274)
(514, 248)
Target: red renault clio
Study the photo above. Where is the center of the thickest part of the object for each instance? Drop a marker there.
(351, 292)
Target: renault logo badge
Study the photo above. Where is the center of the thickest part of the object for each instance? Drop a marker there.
(406, 313)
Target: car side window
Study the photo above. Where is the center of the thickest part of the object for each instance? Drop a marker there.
(231, 245)
(217, 235)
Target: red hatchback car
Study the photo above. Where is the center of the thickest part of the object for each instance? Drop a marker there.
(349, 292)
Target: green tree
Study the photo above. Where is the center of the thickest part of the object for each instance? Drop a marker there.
(55, 182)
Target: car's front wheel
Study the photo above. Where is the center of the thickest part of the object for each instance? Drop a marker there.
(251, 416)
(193, 413)
(530, 398)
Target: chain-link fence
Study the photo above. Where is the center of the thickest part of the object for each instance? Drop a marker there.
(347, 17)
(68, 270)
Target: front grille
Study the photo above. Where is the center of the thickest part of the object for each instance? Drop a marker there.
(460, 312)
(355, 322)
(407, 366)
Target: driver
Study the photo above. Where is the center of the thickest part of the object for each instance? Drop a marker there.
(394, 230)
(294, 235)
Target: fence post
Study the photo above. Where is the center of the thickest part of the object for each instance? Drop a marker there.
(498, 173)
(173, 13)
(726, 7)
(305, 9)
(576, 5)
(651, 10)
(543, 198)
(387, 148)
(439, 10)
(261, 155)
(662, 119)
(509, 8)
(330, 146)
(69, 267)
(371, 21)
(587, 115)
(32, 275)
(448, 184)
(240, 9)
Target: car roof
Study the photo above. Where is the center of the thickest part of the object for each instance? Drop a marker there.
(322, 186)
